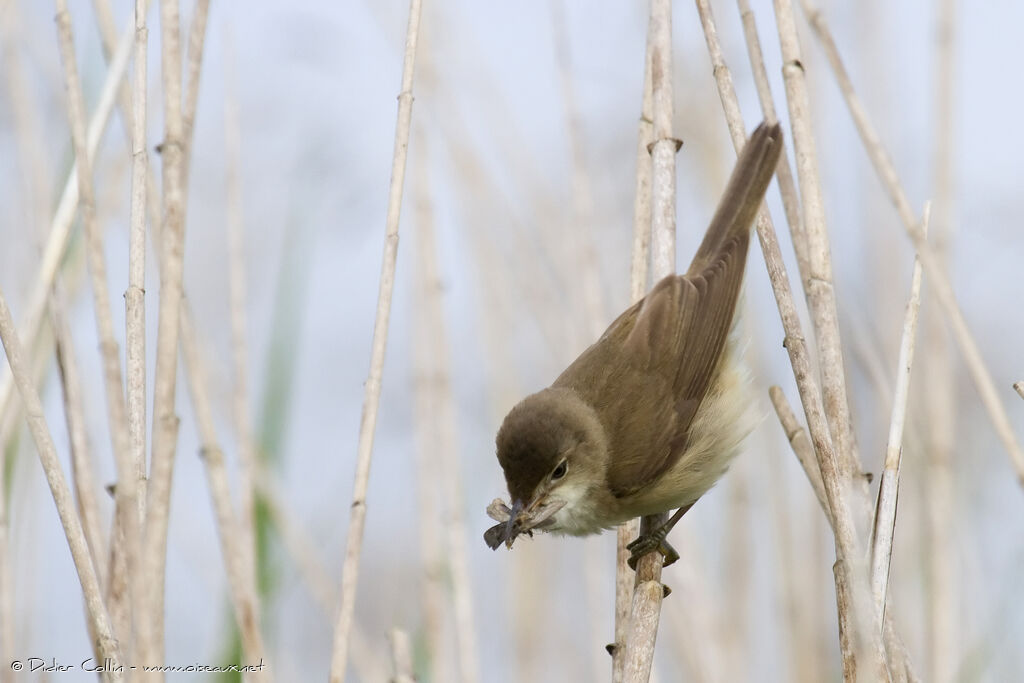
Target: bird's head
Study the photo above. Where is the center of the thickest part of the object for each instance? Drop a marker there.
(553, 451)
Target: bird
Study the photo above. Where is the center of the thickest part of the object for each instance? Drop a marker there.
(648, 418)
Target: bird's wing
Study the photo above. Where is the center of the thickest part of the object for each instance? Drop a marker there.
(649, 372)
(669, 359)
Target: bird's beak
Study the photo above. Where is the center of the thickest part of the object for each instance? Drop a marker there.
(511, 526)
(519, 519)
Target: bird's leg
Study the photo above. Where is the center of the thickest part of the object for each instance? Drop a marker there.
(655, 540)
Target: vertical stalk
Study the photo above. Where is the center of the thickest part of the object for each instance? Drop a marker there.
(638, 276)
(942, 635)
(843, 524)
(241, 574)
(134, 296)
(99, 619)
(888, 488)
(584, 248)
(122, 594)
(428, 486)
(239, 336)
(165, 420)
(401, 656)
(443, 447)
(648, 594)
(82, 464)
(371, 398)
(784, 173)
(60, 226)
(818, 286)
(937, 276)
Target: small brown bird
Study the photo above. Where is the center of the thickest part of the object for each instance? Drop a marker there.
(648, 418)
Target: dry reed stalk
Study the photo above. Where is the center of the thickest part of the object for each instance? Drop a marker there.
(99, 620)
(526, 274)
(428, 484)
(196, 42)
(664, 145)
(586, 265)
(132, 101)
(30, 140)
(401, 656)
(541, 273)
(82, 475)
(821, 299)
(34, 189)
(784, 174)
(942, 615)
(60, 226)
(524, 596)
(121, 596)
(885, 511)
(583, 248)
(641, 252)
(844, 527)
(738, 562)
(240, 573)
(236, 545)
(801, 446)
(135, 295)
(638, 276)
(239, 336)
(847, 629)
(125, 98)
(7, 646)
(127, 103)
(794, 341)
(892, 641)
(443, 447)
(649, 592)
(898, 656)
(119, 582)
(371, 398)
(432, 581)
(27, 135)
(150, 625)
(542, 270)
(645, 616)
(938, 278)
(303, 551)
(818, 286)
(536, 271)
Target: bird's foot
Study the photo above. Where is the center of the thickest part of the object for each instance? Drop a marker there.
(651, 542)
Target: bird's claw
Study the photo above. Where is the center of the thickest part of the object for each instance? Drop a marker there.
(649, 543)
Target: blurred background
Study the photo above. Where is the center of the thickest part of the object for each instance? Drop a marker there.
(514, 255)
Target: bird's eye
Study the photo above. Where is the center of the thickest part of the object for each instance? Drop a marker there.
(560, 470)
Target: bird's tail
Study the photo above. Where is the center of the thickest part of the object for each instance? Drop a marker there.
(742, 198)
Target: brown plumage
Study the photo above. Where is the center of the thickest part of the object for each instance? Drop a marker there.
(649, 416)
